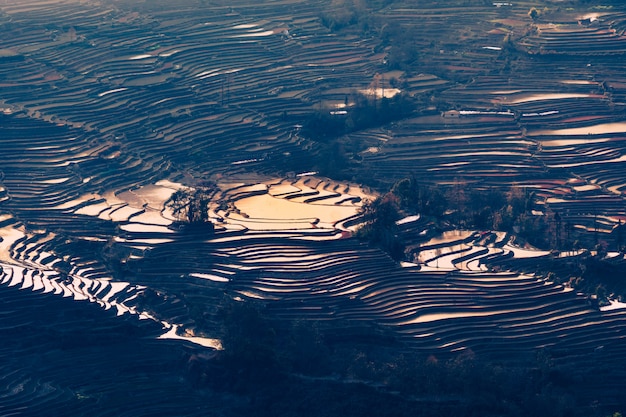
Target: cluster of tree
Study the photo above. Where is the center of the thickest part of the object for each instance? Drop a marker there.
(335, 154)
(190, 206)
(349, 14)
(342, 13)
(419, 198)
(468, 207)
(400, 42)
(511, 211)
(368, 111)
(380, 228)
(494, 209)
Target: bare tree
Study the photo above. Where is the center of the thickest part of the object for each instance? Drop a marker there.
(191, 205)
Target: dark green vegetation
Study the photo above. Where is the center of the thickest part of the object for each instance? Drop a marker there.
(100, 99)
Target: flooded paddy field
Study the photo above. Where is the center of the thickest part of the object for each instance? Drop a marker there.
(108, 110)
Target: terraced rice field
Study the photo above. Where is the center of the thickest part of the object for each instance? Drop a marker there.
(105, 112)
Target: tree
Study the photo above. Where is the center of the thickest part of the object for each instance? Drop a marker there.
(458, 199)
(342, 13)
(408, 192)
(191, 205)
(413, 197)
(380, 228)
